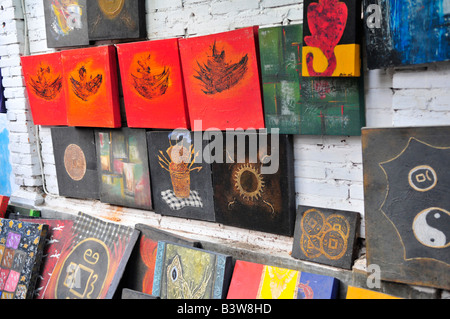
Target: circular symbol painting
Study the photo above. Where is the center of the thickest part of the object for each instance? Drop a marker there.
(75, 162)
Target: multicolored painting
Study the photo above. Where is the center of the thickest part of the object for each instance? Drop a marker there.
(91, 84)
(256, 281)
(184, 187)
(116, 19)
(43, 75)
(124, 168)
(183, 272)
(406, 182)
(360, 293)
(406, 32)
(331, 38)
(66, 23)
(21, 249)
(153, 86)
(92, 261)
(295, 104)
(222, 81)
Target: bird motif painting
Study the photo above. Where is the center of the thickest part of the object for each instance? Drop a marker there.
(148, 83)
(46, 85)
(86, 86)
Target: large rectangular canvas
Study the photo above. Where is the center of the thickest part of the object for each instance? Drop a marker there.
(295, 104)
(123, 166)
(184, 181)
(21, 249)
(93, 260)
(76, 162)
(222, 81)
(331, 39)
(406, 32)
(153, 86)
(66, 23)
(44, 80)
(407, 207)
(91, 85)
(183, 272)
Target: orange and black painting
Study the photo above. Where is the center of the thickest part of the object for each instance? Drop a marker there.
(91, 85)
(222, 82)
(152, 84)
(44, 82)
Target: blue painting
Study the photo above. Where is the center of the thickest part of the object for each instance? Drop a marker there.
(402, 32)
(5, 165)
(2, 95)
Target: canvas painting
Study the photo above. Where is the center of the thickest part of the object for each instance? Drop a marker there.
(253, 182)
(294, 104)
(331, 38)
(406, 32)
(76, 162)
(44, 80)
(184, 187)
(153, 86)
(91, 85)
(66, 23)
(124, 173)
(92, 261)
(256, 281)
(222, 81)
(361, 293)
(326, 236)
(4, 201)
(407, 210)
(116, 19)
(190, 273)
(21, 249)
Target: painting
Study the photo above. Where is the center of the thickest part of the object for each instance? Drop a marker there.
(91, 85)
(124, 173)
(331, 38)
(402, 33)
(184, 188)
(222, 81)
(21, 249)
(76, 162)
(407, 210)
(140, 269)
(294, 104)
(43, 76)
(253, 182)
(92, 261)
(183, 272)
(256, 281)
(116, 19)
(361, 293)
(153, 85)
(4, 201)
(66, 23)
(326, 236)
(6, 174)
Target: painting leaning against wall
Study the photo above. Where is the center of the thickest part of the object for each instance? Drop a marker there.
(5, 163)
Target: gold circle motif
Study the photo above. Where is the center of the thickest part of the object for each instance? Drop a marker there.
(75, 162)
(111, 8)
(429, 175)
(249, 182)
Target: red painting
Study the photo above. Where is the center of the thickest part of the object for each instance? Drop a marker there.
(152, 83)
(4, 201)
(91, 84)
(222, 80)
(43, 75)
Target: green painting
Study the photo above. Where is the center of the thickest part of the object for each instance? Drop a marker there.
(305, 105)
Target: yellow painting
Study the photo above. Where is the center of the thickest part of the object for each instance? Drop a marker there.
(360, 293)
(278, 283)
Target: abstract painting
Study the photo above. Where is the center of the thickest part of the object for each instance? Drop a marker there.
(294, 104)
(406, 32)
(92, 261)
(76, 162)
(326, 236)
(140, 269)
(116, 19)
(256, 281)
(44, 80)
(253, 182)
(152, 83)
(361, 293)
(331, 41)
(407, 210)
(222, 81)
(184, 187)
(183, 272)
(66, 23)
(21, 249)
(91, 85)
(123, 168)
